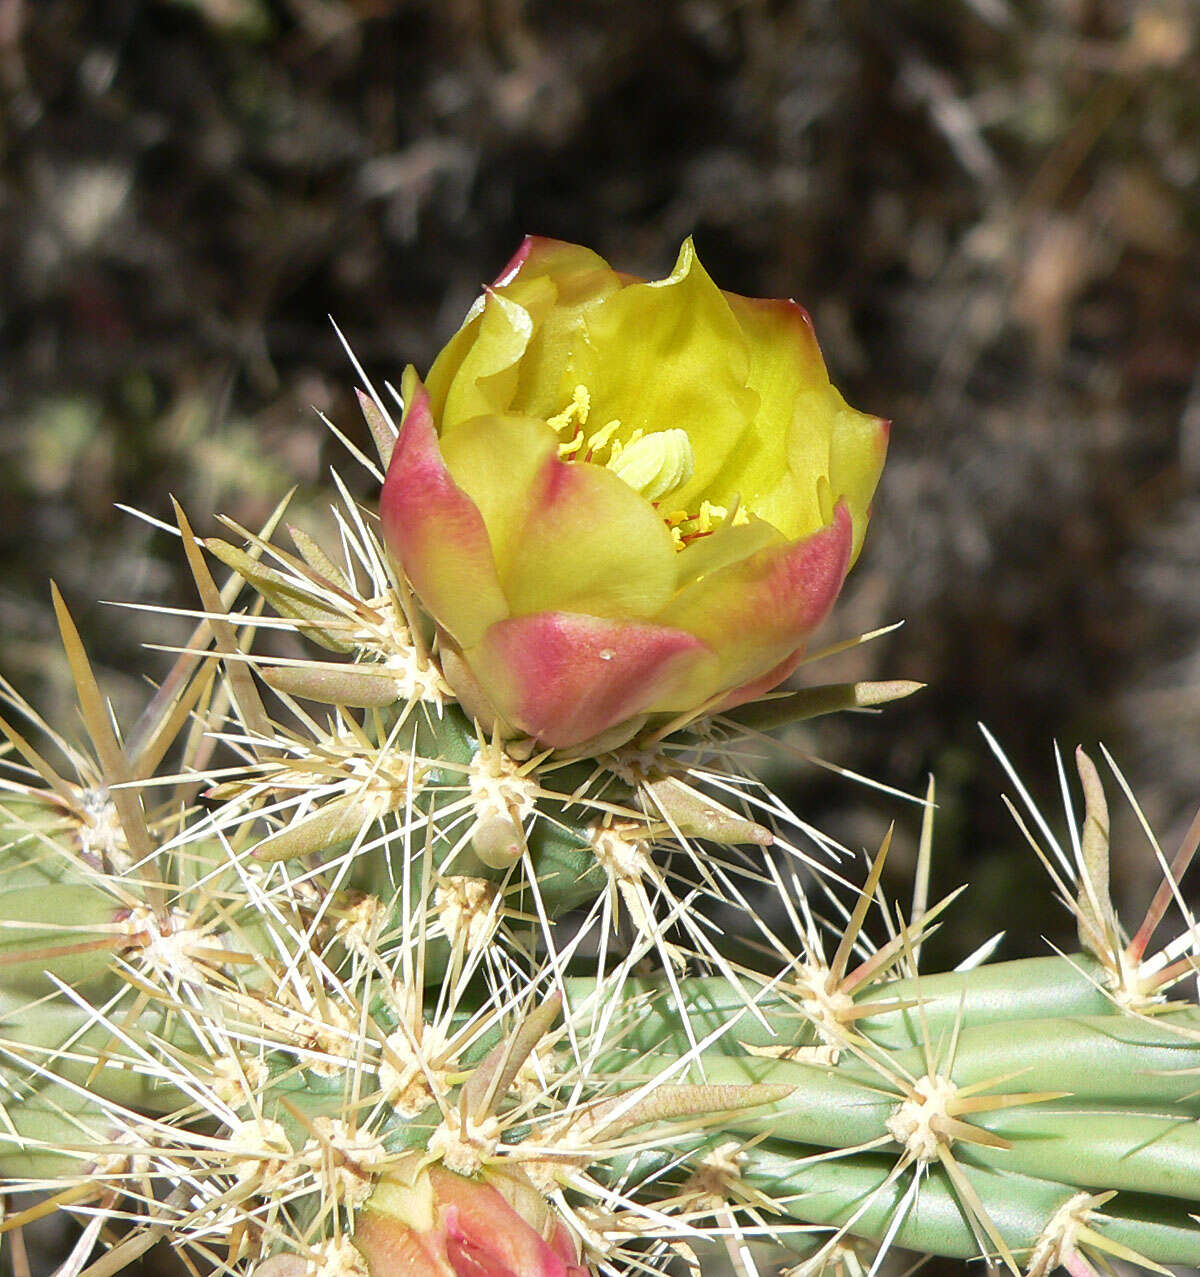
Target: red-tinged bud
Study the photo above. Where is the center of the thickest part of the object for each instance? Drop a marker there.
(448, 1225)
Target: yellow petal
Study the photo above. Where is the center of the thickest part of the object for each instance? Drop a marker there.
(478, 374)
(581, 280)
(496, 461)
(856, 458)
(589, 544)
(785, 370)
(669, 354)
(730, 543)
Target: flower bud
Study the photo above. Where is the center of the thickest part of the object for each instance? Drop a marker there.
(447, 1225)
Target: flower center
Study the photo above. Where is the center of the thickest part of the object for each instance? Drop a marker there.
(654, 465)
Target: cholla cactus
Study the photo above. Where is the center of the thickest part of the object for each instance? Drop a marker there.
(399, 959)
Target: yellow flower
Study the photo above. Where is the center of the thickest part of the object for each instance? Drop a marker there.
(621, 498)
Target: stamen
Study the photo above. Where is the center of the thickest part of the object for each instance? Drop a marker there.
(603, 437)
(567, 450)
(710, 515)
(576, 411)
(617, 447)
(686, 528)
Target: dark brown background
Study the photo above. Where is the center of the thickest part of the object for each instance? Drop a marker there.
(990, 207)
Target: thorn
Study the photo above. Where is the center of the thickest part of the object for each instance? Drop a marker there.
(113, 763)
(922, 873)
(241, 682)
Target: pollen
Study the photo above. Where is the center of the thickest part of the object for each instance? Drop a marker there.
(686, 527)
(575, 413)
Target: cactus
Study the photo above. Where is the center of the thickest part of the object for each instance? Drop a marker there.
(310, 971)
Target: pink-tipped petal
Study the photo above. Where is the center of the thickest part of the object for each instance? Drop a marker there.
(758, 613)
(437, 533)
(564, 678)
(570, 266)
(564, 1246)
(780, 329)
(579, 280)
(515, 262)
(391, 1247)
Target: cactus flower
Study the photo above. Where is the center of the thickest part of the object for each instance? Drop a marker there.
(620, 499)
(447, 1225)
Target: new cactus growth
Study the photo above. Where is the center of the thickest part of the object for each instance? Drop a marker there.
(399, 958)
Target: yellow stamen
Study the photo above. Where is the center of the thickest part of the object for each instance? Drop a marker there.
(710, 515)
(576, 411)
(603, 437)
(567, 450)
(686, 527)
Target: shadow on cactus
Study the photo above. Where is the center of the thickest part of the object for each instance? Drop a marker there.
(445, 950)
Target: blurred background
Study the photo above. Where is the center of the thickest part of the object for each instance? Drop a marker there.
(989, 206)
